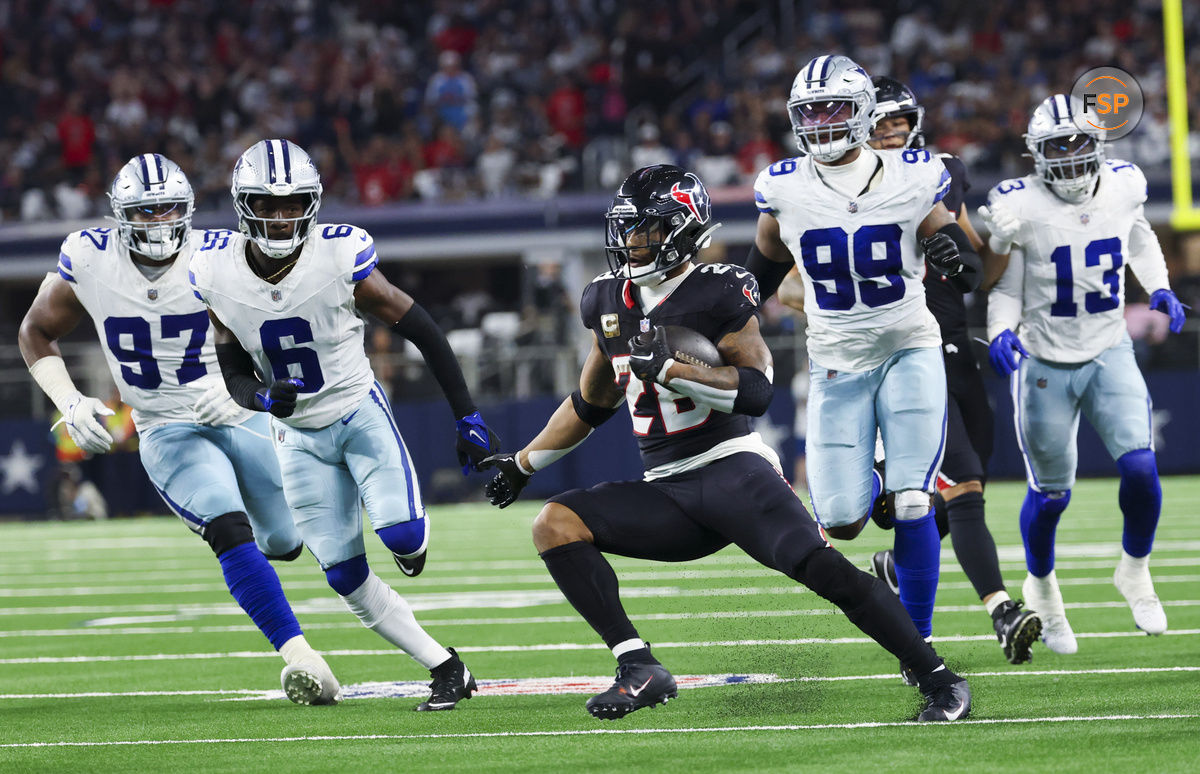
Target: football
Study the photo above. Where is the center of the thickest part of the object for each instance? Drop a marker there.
(688, 346)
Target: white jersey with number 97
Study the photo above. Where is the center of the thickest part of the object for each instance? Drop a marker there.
(306, 326)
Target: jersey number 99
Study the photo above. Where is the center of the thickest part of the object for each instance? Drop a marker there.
(834, 285)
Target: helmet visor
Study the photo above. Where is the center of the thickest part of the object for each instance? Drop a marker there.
(635, 241)
(1068, 157)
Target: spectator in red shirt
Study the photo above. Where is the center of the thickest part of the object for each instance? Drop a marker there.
(76, 134)
(565, 112)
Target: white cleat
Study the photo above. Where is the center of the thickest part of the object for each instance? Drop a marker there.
(311, 682)
(1043, 597)
(1135, 585)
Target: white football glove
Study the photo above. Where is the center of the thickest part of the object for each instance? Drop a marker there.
(87, 433)
(216, 407)
(1003, 226)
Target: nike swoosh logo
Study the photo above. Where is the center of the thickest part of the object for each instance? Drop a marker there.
(635, 691)
(346, 420)
(958, 713)
(476, 434)
(641, 357)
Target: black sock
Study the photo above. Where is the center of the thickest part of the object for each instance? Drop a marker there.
(639, 656)
(940, 515)
(973, 543)
(588, 582)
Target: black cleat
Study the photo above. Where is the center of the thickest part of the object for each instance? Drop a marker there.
(908, 676)
(951, 701)
(411, 565)
(636, 686)
(883, 564)
(881, 514)
(1017, 630)
(452, 682)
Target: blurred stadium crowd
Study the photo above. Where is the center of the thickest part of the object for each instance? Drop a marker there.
(455, 99)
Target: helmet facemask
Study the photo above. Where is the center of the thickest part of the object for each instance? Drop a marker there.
(256, 227)
(1068, 163)
(827, 128)
(156, 229)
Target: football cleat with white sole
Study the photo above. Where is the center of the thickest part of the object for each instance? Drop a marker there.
(1017, 630)
(1138, 589)
(310, 682)
(452, 682)
(1043, 597)
(636, 686)
(946, 703)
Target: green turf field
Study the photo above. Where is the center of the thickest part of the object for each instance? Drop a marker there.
(121, 650)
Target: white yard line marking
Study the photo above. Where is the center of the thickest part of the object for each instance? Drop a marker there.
(115, 625)
(559, 646)
(787, 588)
(609, 731)
(577, 684)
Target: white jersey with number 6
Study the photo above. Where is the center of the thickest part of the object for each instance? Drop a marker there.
(154, 332)
(858, 257)
(1063, 292)
(305, 326)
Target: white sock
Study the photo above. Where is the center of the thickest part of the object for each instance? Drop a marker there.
(385, 612)
(622, 648)
(996, 600)
(1135, 564)
(297, 649)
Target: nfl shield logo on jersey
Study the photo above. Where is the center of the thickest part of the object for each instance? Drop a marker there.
(152, 294)
(279, 434)
(276, 295)
(645, 325)
(852, 206)
(1084, 218)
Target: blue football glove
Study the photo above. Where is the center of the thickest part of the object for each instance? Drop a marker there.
(1006, 352)
(1163, 300)
(280, 398)
(474, 442)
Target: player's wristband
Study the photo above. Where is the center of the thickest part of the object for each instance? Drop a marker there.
(51, 375)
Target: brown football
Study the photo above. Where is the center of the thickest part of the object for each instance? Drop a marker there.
(688, 346)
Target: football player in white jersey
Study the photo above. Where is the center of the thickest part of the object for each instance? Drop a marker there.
(1056, 325)
(286, 296)
(850, 218)
(210, 459)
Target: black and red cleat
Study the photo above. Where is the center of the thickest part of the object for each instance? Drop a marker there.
(636, 686)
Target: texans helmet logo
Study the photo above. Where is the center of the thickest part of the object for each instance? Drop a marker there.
(695, 199)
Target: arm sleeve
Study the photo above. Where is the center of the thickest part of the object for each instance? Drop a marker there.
(769, 274)
(959, 183)
(1146, 255)
(1005, 302)
(238, 370)
(418, 327)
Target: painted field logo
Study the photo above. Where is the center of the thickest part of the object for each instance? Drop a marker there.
(1112, 102)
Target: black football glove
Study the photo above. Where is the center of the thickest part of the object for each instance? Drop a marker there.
(473, 441)
(503, 490)
(280, 397)
(648, 354)
(942, 254)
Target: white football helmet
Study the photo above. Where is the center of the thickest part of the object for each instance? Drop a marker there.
(145, 191)
(1066, 156)
(831, 107)
(275, 168)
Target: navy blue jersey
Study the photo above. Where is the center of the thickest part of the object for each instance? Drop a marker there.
(714, 300)
(942, 295)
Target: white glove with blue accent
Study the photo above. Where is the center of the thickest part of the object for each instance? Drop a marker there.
(86, 431)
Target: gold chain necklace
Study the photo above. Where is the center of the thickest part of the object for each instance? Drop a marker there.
(281, 271)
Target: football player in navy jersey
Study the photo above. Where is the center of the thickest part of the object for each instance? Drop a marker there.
(709, 480)
(958, 504)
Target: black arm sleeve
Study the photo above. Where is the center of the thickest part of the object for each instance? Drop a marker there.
(419, 328)
(770, 274)
(972, 274)
(754, 392)
(238, 370)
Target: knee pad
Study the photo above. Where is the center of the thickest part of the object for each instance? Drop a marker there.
(406, 538)
(830, 574)
(911, 504)
(228, 531)
(345, 577)
(290, 556)
(1138, 467)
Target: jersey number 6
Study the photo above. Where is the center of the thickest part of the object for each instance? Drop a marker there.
(272, 333)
